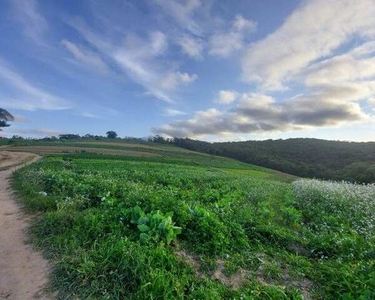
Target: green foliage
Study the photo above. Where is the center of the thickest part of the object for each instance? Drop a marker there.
(136, 228)
(4, 141)
(312, 158)
(111, 134)
(154, 226)
(5, 116)
(69, 136)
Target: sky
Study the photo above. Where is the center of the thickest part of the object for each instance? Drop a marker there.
(213, 70)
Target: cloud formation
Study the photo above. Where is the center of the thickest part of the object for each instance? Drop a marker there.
(357, 64)
(225, 43)
(26, 96)
(261, 113)
(85, 56)
(170, 112)
(312, 31)
(183, 13)
(226, 97)
(334, 86)
(191, 46)
(141, 59)
(173, 79)
(33, 23)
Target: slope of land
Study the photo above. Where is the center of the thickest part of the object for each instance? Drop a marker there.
(130, 149)
(187, 225)
(302, 157)
(22, 270)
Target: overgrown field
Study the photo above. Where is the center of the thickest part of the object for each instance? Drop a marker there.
(121, 228)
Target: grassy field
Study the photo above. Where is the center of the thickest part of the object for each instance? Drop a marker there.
(3, 142)
(182, 225)
(129, 149)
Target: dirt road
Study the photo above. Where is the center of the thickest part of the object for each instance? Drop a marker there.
(22, 270)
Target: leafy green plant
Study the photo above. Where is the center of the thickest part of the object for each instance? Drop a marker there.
(154, 226)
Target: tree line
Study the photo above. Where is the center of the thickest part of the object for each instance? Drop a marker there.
(315, 158)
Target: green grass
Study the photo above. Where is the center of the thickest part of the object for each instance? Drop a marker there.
(196, 227)
(3, 141)
(165, 153)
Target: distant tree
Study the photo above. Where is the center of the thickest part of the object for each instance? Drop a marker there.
(88, 136)
(159, 139)
(17, 137)
(69, 136)
(111, 134)
(5, 117)
(132, 138)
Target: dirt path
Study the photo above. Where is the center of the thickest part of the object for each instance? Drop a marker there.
(22, 270)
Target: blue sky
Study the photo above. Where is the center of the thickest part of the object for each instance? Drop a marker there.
(213, 69)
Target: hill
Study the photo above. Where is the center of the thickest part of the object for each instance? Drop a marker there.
(316, 158)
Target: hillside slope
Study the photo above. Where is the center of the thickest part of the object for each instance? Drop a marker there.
(303, 157)
(135, 150)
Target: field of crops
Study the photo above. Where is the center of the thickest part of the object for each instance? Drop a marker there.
(171, 228)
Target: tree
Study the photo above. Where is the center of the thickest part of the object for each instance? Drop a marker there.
(302, 157)
(111, 134)
(69, 136)
(160, 139)
(5, 117)
(88, 136)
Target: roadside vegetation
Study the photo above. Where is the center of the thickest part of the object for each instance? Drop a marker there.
(195, 226)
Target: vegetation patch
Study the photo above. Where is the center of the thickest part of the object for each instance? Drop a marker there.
(171, 228)
(314, 158)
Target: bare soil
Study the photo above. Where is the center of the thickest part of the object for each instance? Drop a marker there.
(23, 271)
(235, 281)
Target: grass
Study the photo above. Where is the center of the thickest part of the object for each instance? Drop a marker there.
(197, 227)
(3, 142)
(123, 149)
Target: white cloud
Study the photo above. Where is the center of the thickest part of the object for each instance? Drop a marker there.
(25, 95)
(225, 43)
(312, 31)
(257, 113)
(170, 112)
(191, 46)
(173, 79)
(240, 23)
(355, 65)
(201, 123)
(34, 25)
(333, 90)
(226, 97)
(89, 115)
(158, 43)
(183, 13)
(141, 59)
(85, 56)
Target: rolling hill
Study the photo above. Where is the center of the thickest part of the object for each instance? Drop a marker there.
(317, 158)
